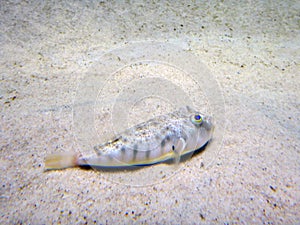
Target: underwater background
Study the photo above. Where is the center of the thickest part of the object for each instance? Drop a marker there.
(67, 67)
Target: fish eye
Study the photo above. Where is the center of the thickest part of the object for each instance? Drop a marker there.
(197, 119)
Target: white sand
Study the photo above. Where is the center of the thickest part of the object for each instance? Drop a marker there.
(49, 50)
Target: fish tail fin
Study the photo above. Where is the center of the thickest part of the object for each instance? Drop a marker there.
(61, 161)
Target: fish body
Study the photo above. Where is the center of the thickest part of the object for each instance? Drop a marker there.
(156, 140)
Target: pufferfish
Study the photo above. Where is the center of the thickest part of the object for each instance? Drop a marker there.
(157, 140)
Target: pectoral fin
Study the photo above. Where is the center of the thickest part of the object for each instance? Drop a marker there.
(178, 149)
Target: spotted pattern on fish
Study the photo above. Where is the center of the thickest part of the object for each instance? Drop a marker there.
(156, 140)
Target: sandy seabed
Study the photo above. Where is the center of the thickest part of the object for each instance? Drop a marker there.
(57, 96)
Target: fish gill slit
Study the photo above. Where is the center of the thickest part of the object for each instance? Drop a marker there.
(173, 148)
